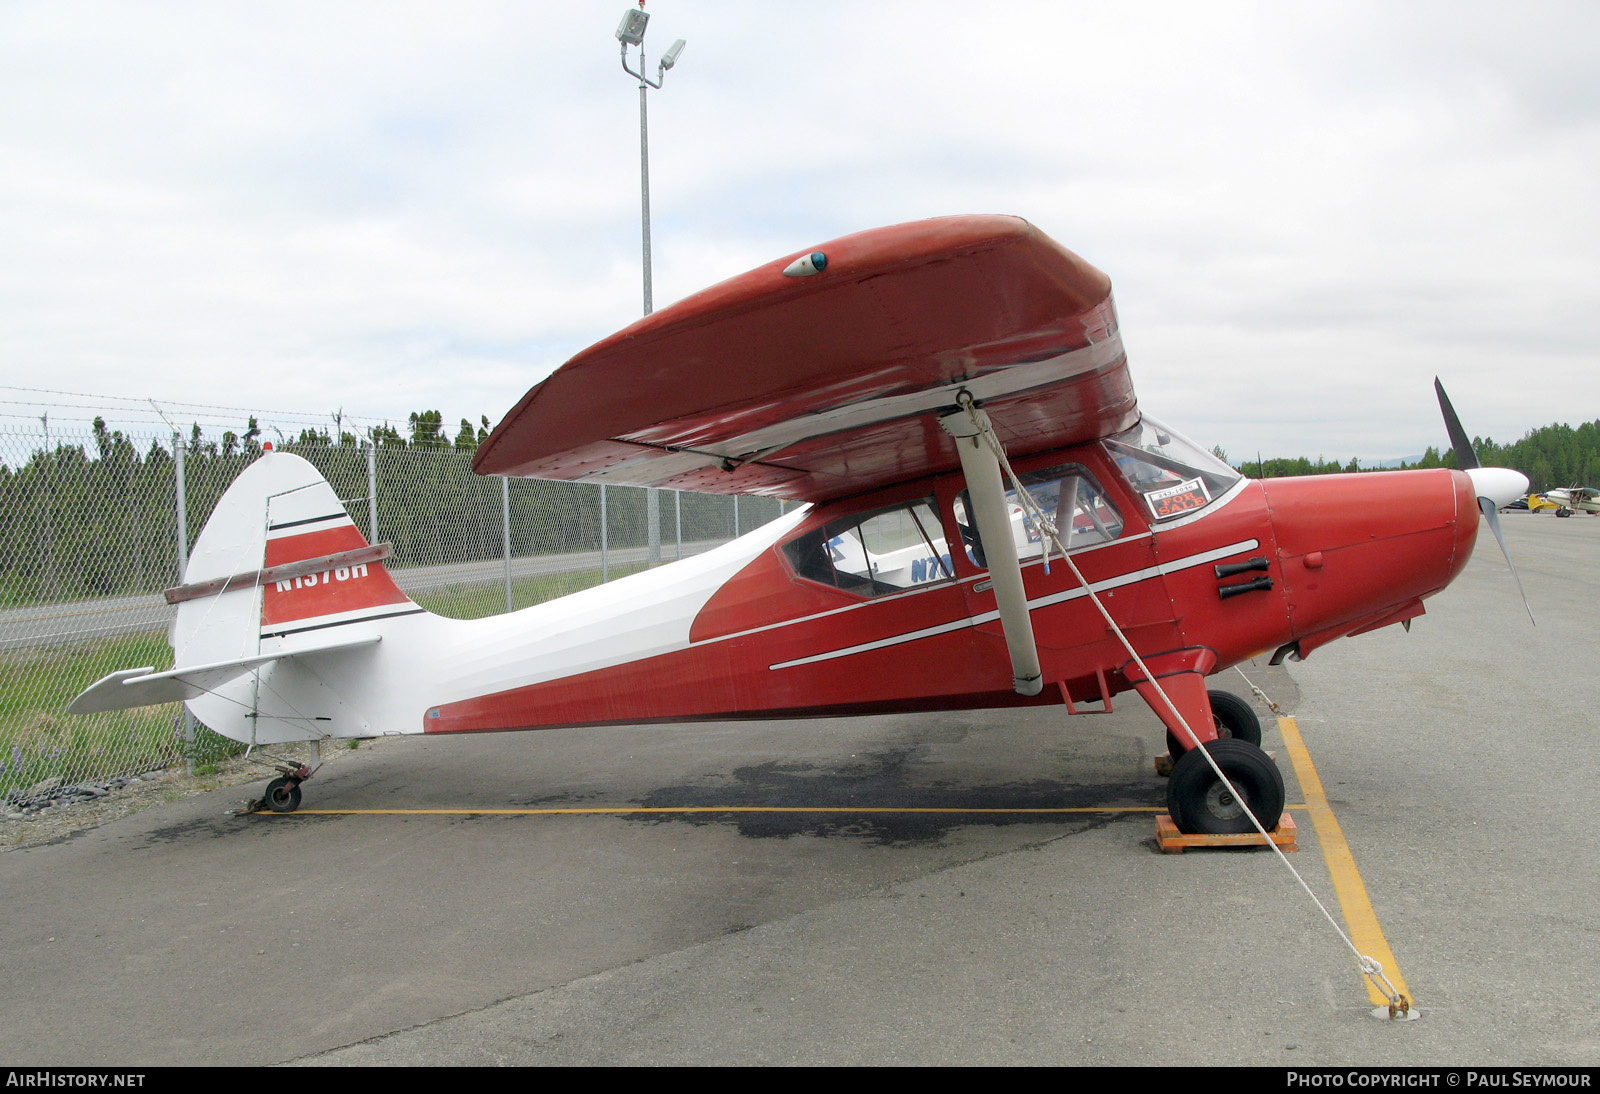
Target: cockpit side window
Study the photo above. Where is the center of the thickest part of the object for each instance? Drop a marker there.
(1171, 473)
(1068, 495)
(877, 552)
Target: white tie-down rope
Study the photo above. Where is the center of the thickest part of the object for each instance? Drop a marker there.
(1263, 696)
(1371, 968)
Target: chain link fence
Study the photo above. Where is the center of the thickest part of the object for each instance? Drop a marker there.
(92, 530)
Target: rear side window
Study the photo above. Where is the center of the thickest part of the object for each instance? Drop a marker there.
(876, 552)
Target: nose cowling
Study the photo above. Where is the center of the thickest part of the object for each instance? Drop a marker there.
(1360, 551)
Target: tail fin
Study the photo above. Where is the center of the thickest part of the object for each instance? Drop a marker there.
(272, 583)
(281, 528)
(319, 571)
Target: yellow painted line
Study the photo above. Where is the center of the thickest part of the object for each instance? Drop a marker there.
(616, 809)
(613, 809)
(1359, 918)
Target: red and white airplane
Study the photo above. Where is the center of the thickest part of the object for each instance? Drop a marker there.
(991, 523)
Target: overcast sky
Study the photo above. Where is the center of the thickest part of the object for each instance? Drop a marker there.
(1306, 210)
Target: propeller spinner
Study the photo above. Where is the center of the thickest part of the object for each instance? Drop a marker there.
(1495, 486)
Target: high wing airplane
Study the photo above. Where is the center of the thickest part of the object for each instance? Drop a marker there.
(990, 522)
(1574, 499)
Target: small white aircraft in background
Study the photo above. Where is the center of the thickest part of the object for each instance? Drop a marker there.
(1574, 499)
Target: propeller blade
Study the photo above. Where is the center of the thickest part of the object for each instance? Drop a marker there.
(1492, 515)
(1495, 486)
(1466, 459)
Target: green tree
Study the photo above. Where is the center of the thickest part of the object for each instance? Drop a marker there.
(427, 430)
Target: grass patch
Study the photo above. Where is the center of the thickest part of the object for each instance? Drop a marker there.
(478, 601)
(38, 739)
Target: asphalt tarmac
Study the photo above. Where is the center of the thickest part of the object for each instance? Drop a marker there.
(1460, 760)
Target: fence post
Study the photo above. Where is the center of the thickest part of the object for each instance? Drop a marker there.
(48, 464)
(505, 531)
(605, 564)
(181, 500)
(372, 492)
(652, 520)
(736, 516)
(677, 518)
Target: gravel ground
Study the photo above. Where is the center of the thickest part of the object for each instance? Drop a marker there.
(57, 822)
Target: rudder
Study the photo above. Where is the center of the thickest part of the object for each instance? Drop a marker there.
(279, 570)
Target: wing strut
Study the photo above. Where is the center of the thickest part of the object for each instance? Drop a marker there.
(981, 468)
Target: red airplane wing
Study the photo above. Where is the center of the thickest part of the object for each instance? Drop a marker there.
(824, 385)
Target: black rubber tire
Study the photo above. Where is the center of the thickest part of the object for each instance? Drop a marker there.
(1201, 805)
(1235, 719)
(283, 795)
(1563, 512)
(1236, 716)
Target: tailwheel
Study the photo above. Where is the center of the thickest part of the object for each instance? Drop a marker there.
(1201, 804)
(283, 795)
(1234, 719)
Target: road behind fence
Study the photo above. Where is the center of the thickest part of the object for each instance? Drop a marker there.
(93, 526)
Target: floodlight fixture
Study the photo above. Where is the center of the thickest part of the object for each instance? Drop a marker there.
(630, 32)
(670, 58)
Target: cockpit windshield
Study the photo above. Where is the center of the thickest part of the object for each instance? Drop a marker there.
(1173, 474)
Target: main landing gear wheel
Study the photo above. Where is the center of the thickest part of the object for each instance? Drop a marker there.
(1201, 804)
(1234, 717)
(283, 795)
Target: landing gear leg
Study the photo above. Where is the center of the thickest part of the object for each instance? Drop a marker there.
(1187, 692)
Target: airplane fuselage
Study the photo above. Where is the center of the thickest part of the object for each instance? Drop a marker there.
(760, 627)
(769, 641)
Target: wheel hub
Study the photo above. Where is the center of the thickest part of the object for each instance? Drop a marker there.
(1221, 803)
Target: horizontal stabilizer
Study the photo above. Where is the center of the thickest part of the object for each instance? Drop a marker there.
(142, 687)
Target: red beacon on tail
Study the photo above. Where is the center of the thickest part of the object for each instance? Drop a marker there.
(990, 522)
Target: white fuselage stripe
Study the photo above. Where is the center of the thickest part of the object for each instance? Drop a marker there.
(1117, 582)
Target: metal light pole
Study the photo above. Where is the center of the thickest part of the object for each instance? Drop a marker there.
(631, 32)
